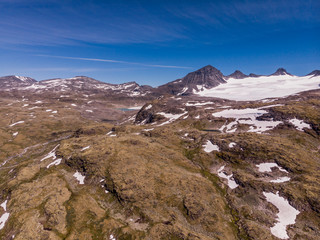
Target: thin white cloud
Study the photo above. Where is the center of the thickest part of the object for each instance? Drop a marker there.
(112, 61)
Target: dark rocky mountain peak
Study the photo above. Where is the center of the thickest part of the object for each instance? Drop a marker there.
(206, 77)
(314, 73)
(237, 75)
(15, 81)
(280, 71)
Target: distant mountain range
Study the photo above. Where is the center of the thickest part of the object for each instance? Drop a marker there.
(195, 82)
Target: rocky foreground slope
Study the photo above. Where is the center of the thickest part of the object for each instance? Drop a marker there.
(181, 167)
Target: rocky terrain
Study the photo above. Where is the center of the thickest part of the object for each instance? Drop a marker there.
(83, 159)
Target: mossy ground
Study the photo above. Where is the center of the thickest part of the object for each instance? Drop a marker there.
(160, 183)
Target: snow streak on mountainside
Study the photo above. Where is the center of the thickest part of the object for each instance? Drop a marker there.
(255, 88)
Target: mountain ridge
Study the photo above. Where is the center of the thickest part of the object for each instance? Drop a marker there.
(207, 77)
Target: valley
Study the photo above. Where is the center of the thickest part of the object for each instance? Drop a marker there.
(206, 156)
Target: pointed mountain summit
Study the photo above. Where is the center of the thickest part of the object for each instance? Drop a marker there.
(280, 71)
(314, 73)
(237, 75)
(206, 77)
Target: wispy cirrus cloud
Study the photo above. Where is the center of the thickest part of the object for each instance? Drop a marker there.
(34, 22)
(112, 61)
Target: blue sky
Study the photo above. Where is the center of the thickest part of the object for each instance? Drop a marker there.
(153, 42)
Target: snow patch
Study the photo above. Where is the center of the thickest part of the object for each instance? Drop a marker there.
(209, 147)
(183, 91)
(232, 144)
(85, 148)
(148, 107)
(23, 79)
(267, 167)
(15, 134)
(79, 177)
(51, 154)
(5, 216)
(299, 124)
(56, 162)
(13, 124)
(280, 180)
(231, 182)
(246, 116)
(171, 117)
(286, 215)
(188, 104)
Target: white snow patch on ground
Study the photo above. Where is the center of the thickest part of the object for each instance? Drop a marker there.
(89, 111)
(262, 87)
(232, 144)
(183, 91)
(85, 148)
(170, 116)
(197, 104)
(54, 111)
(13, 124)
(79, 177)
(270, 106)
(112, 237)
(148, 107)
(299, 124)
(4, 205)
(49, 110)
(150, 129)
(286, 215)
(5, 216)
(246, 116)
(51, 154)
(231, 182)
(209, 147)
(56, 162)
(15, 134)
(266, 167)
(280, 180)
(73, 105)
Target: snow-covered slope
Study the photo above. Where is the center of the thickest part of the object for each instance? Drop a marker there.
(255, 88)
